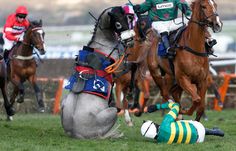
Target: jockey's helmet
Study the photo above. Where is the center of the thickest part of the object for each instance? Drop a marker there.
(149, 129)
(21, 10)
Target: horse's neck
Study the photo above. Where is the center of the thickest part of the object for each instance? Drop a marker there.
(105, 41)
(195, 33)
(24, 49)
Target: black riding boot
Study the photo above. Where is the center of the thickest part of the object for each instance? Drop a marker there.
(216, 132)
(1, 54)
(165, 40)
(5, 55)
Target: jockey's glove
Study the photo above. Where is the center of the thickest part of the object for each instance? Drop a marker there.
(151, 108)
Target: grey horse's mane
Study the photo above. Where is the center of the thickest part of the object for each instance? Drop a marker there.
(96, 26)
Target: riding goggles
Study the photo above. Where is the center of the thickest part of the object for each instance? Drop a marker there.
(21, 16)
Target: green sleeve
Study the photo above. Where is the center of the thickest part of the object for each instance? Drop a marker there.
(173, 113)
(186, 5)
(146, 6)
(162, 106)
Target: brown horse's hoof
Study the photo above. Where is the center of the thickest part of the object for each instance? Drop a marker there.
(10, 111)
(121, 112)
(134, 110)
(138, 114)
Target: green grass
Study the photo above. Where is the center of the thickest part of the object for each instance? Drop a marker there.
(43, 132)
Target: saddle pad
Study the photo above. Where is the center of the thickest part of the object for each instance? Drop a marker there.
(161, 50)
(98, 86)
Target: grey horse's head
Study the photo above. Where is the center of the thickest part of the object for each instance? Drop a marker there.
(121, 23)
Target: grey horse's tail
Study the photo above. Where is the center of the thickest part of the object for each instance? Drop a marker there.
(113, 133)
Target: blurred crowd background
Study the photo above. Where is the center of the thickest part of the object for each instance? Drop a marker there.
(68, 24)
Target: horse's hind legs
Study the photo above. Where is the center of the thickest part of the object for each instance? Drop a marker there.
(9, 109)
(106, 119)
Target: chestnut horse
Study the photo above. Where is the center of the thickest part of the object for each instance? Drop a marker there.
(191, 63)
(23, 64)
(136, 62)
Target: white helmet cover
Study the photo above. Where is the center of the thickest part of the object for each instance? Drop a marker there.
(149, 129)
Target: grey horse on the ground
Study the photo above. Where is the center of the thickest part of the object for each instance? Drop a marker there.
(86, 115)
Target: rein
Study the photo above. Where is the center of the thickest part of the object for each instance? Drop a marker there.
(204, 22)
(113, 67)
(201, 24)
(201, 54)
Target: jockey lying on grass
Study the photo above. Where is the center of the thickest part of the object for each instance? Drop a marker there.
(172, 131)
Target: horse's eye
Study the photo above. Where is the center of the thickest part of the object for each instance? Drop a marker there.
(118, 25)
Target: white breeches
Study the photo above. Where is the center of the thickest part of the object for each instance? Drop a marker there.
(8, 44)
(167, 26)
(200, 129)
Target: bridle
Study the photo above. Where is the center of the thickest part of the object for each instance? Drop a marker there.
(204, 21)
(30, 44)
(119, 46)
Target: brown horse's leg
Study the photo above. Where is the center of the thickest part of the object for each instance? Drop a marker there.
(118, 94)
(201, 107)
(128, 119)
(13, 95)
(191, 89)
(9, 109)
(145, 90)
(16, 82)
(38, 93)
(176, 92)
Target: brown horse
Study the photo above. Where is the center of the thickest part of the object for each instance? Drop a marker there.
(137, 64)
(191, 64)
(23, 65)
(3, 84)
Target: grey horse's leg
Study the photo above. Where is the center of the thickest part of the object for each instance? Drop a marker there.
(92, 124)
(67, 112)
(107, 116)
